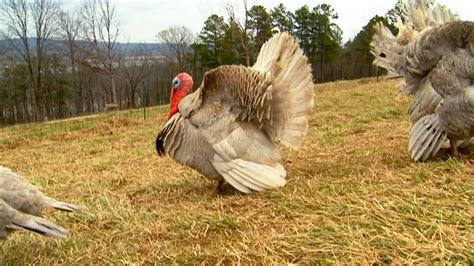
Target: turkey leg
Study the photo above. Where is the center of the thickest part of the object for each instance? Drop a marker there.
(454, 148)
(220, 188)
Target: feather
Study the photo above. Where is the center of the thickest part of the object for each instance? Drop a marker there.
(21, 203)
(292, 94)
(62, 206)
(15, 220)
(246, 176)
(426, 138)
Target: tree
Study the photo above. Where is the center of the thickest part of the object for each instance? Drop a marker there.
(56, 84)
(233, 52)
(13, 93)
(358, 49)
(235, 22)
(14, 15)
(101, 32)
(212, 39)
(305, 30)
(136, 68)
(18, 16)
(259, 25)
(178, 39)
(45, 16)
(70, 26)
(319, 37)
(328, 34)
(282, 19)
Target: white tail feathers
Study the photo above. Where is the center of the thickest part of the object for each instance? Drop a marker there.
(248, 176)
(38, 225)
(388, 52)
(292, 88)
(421, 14)
(11, 218)
(413, 17)
(426, 138)
(63, 206)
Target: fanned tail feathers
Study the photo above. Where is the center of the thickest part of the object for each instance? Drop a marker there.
(388, 53)
(292, 87)
(421, 14)
(426, 138)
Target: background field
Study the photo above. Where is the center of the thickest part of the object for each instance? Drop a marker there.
(353, 194)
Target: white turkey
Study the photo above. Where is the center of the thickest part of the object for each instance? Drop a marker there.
(433, 52)
(230, 127)
(21, 205)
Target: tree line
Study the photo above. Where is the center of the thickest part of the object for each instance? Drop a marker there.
(57, 64)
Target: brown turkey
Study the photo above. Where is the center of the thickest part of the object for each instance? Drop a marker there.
(230, 128)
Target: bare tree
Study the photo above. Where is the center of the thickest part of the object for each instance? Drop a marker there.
(70, 25)
(17, 16)
(178, 39)
(101, 32)
(14, 15)
(232, 10)
(45, 15)
(136, 68)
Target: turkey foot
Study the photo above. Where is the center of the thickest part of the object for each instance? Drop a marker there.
(219, 189)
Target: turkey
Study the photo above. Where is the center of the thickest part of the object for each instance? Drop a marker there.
(230, 127)
(433, 52)
(21, 205)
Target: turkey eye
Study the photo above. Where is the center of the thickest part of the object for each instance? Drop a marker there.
(175, 83)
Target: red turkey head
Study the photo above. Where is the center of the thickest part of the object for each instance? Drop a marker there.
(180, 87)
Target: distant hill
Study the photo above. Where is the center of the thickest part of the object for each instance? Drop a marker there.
(58, 46)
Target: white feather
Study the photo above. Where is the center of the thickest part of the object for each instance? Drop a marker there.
(248, 176)
(426, 138)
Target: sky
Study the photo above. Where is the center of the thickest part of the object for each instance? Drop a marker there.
(141, 20)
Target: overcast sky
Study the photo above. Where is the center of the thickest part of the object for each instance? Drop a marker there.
(141, 20)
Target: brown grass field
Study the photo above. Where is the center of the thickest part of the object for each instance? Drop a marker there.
(353, 194)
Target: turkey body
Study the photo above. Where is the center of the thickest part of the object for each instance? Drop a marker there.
(437, 64)
(230, 127)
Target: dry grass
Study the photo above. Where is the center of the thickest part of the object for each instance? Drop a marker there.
(353, 194)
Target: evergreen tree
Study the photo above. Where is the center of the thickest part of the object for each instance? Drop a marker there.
(282, 19)
(259, 24)
(212, 38)
(319, 37)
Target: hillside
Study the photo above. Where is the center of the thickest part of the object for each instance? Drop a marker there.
(59, 47)
(353, 194)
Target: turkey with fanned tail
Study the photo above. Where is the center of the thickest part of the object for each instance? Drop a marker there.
(434, 53)
(230, 127)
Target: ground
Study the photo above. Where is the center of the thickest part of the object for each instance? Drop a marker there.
(353, 194)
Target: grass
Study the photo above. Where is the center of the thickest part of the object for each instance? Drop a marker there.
(353, 193)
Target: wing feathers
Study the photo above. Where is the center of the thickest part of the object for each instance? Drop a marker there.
(426, 138)
(246, 176)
